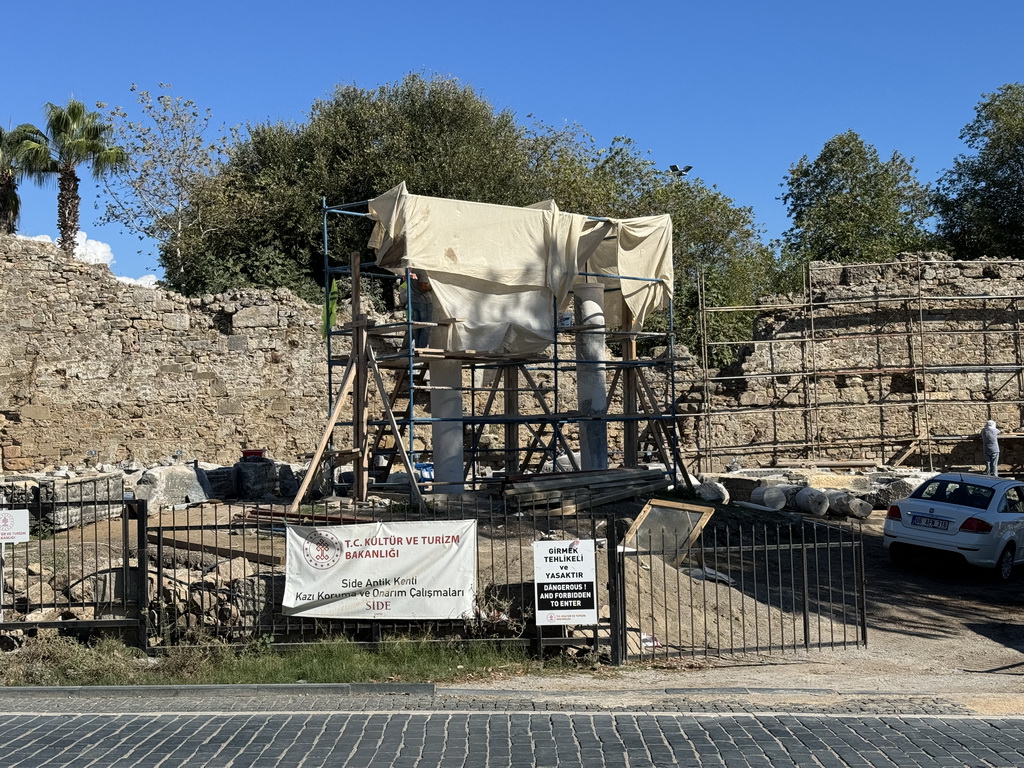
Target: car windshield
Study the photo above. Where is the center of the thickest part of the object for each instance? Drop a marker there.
(954, 492)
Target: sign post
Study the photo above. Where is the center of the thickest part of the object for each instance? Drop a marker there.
(565, 580)
(13, 530)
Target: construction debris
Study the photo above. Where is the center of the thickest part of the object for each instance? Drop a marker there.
(847, 504)
(570, 491)
(812, 491)
(714, 492)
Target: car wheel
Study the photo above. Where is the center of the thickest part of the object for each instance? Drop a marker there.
(1004, 565)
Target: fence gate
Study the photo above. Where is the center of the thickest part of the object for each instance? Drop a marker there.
(750, 588)
(80, 571)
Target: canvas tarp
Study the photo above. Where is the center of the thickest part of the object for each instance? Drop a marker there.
(506, 271)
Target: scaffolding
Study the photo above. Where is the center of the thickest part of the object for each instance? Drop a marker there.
(889, 363)
(519, 411)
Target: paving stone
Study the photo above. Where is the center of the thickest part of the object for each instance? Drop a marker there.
(367, 730)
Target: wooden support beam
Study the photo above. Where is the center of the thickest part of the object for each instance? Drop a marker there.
(399, 445)
(213, 549)
(344, 389)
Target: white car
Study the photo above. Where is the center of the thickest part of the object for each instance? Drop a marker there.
(978, 517)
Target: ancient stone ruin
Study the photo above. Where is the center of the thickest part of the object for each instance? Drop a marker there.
(894, 363)
(96, 371)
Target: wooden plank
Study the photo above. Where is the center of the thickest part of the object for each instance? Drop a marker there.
(758, 507)
(214, 549)
(301, 518)
(905, 454)
(619, 472)
(583, 482)
(360, 416)
(608, 498)
(314, 465)
(554, 490)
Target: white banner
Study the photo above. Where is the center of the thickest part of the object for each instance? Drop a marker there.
(14, 528)
(407, 570)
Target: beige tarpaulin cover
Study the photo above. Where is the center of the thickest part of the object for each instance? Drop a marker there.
(505, 270)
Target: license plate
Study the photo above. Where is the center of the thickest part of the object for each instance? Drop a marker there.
(929, 522)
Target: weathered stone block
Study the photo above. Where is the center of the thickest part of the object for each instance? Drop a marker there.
(230, 408)
(172, 486)
(255, 317)
(20, 465)
(221, 481)
(36, 412)
(64, 516)
(257, 479)
(238, 343)
(175, 322)
(108, 486)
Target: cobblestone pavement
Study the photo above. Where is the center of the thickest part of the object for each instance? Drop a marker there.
(197, 727)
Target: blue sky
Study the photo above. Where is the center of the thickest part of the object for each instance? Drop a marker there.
(739, 90)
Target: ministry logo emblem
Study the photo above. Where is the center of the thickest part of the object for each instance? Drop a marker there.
(322, 550)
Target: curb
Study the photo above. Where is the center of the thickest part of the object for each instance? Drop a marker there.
(738, 691)
(157, 691)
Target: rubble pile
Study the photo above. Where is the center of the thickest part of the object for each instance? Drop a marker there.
(813, 490)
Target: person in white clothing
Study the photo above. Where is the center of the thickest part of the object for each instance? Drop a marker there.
(990, 445)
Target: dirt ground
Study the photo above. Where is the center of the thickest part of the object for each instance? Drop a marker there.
(935, 628)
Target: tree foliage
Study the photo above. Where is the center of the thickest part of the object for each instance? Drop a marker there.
(170, 154)
(73, 136)
(718, 253)
(261, 209)
(847, 205)
(11, 172)
(980, 201)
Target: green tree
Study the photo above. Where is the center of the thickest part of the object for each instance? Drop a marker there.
(717, 244)
(11, 173)
(170, 153)
(73, 136)
(261, 209)
(980, 201)
(847, 205)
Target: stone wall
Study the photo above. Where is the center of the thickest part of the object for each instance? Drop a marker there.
(922, 347)
(879, 356)
(88, 363)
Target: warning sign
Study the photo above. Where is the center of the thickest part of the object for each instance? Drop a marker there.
(565, 575)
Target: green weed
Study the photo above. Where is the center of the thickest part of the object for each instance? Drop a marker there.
(51, 660)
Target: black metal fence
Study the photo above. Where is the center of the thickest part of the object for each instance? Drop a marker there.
(84, 566)
(746, 588)
(220, 570)
(216, 570)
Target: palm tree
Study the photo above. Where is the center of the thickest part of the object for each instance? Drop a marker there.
(10, 174)
(73, 136)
